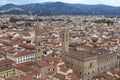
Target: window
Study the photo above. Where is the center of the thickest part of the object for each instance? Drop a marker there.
(80, 73)
(38, 50)
(49, 69)
(71, 64)
(62, 37)
(38, 43)
(67, 37)
(88, 73)
(90, 64)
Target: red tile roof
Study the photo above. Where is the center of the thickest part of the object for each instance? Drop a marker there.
(72, 76)
(42, 64)
(80, 54)
(23, 53)
(5, 61)
(59, 76)
(23, 68)
(27, 46)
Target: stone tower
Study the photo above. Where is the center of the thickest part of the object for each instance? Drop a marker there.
(38, 46)
(65, 42)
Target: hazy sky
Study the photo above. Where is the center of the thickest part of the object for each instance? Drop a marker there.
(108, 2)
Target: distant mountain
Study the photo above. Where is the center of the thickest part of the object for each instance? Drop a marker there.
(59, 8)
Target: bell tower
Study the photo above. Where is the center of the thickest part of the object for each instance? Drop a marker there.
(65, 42)
(38, 46)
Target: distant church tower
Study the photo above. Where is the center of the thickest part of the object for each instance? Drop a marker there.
(38, 46)
(65, 42)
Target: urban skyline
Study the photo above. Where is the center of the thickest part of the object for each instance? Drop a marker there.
(59, 40)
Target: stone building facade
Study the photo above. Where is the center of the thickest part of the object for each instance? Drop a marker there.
(86, 62)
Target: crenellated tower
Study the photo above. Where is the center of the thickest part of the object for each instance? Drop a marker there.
(65, 42)
(38, 45)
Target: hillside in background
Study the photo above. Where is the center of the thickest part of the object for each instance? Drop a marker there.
(59, 8)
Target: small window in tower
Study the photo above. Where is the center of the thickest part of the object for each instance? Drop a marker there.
(67, 37)
(49, 69)
(38, 50)
(80, 73)
(90, 64)
(38, 43)
(62, 37)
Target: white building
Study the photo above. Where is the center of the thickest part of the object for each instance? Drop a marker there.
(23, 56)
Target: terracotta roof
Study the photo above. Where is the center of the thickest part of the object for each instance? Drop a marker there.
(27, 63)
(108, 77)
(72, 76)
(89, 52)
(80, 54)
(27, 46)
(53, 60)
(13, 78)
(7, 68)
(42, 64)
(94, 39)
(5, 61)
(25, 33)
(118, 57)
(64, 69)
(59, 76)
(23, 68)
(23, 53)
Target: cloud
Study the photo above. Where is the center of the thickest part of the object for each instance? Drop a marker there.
(4, 2)
(66, 1)
(76, 1)
(114, 2)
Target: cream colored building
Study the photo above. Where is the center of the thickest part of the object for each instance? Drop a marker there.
(9, 72)
(45, 67)
(86, 62)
